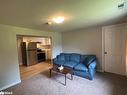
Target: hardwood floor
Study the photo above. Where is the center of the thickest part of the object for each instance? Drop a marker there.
(28, 72)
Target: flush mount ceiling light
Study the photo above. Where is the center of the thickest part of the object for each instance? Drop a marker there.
(58, 19)
(49, 23)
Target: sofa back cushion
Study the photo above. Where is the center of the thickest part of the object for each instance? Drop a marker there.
(66, 56)
(61, 57)
(75, 57)
(87, 59)
(83, 58)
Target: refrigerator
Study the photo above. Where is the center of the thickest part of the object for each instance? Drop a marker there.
(29, 53)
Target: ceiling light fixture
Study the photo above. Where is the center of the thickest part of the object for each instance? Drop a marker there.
(58, 19)
(49, 23)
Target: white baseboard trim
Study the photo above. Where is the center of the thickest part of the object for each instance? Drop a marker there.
(7, 86)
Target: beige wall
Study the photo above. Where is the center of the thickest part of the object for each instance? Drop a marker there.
(84, 41)
(9, 69)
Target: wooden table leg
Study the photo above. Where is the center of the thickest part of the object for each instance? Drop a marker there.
(65, 80)
(71, 77)
(50, 71)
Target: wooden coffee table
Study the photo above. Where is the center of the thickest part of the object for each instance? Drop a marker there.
(65, 71)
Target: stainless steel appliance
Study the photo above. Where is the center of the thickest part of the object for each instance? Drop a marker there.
(32, 53)
(29, 53)
(41, 55)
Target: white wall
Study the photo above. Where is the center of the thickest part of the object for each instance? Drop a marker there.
(84, 41)
(9, 69)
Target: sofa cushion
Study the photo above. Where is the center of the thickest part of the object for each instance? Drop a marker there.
(75, 57)
(89, 59)
(61, 57)
(58, 62)
(70, 64)
(81, 67)
(83, 57)
(66, 56)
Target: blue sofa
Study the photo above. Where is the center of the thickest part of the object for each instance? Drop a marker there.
(82, 65)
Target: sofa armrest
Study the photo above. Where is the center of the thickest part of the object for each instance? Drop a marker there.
(54, 60)
(91, 69)
(92, 65)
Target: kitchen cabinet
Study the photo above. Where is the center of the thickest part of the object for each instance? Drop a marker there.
(46, 41)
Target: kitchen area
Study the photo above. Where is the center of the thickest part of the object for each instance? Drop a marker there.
(33, 52)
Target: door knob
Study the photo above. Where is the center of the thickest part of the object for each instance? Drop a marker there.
(105, 52)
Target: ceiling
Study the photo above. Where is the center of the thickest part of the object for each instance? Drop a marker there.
(78, 13)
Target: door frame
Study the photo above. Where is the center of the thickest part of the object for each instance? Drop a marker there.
(124, 51)
(103, 49)
(126, 57)
(19, 51)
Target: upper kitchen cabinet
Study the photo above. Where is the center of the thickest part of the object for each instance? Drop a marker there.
(46, 41)
(39, 40)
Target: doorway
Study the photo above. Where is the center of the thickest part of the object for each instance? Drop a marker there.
(19, 41)
(34, 54)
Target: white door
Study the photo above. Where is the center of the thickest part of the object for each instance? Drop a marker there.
(113, 51)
